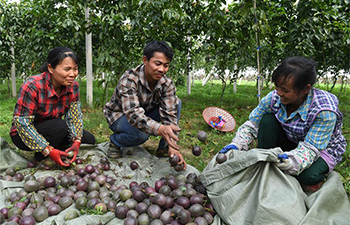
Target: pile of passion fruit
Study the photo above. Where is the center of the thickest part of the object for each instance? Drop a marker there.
(173, 199)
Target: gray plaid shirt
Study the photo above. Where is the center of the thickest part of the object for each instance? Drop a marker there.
(133, 97)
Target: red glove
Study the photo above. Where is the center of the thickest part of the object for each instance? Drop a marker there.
(56, 154)
(75, 147)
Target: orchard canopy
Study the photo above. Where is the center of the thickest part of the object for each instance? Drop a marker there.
(215, 36)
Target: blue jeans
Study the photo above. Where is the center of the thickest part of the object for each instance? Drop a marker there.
(125, 135)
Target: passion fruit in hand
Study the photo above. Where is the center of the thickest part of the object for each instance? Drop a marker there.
(174, 160)
(70, 154)
(179, 167)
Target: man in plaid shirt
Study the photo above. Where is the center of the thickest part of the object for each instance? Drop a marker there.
(144, 103)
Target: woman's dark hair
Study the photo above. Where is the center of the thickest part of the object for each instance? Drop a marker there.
(158, 46)
(302, 70)
(56, 56)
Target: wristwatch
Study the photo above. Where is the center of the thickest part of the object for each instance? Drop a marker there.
(47, 150)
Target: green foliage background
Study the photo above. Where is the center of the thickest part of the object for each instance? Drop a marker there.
(205, 34)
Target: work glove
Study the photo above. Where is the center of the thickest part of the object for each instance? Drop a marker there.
(228, 148)
(75, 148)
(56, 154)
(284, 162)
(296, 161)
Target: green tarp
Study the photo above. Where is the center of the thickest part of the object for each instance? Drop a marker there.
(250, 189)
(151, 169)
(247, 189)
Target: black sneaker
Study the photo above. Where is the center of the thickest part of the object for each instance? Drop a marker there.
(114, 152)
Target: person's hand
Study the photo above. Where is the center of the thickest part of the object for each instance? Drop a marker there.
(75, 148)
(56, 154)
(285, 163)
(173, 152)
(228, 148)
(168, 132)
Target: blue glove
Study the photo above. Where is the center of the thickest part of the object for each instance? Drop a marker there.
(285, 163)
(283, 156)
(228, 148)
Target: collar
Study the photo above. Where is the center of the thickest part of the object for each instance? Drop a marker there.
(303, 108)
(141, 71)
(50, 89)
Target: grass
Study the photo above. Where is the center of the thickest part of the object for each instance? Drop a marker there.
(191, 120)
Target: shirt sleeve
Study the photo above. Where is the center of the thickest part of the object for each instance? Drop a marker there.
(74, 118)
(248, 131)
(263, 108)
(28, 133)
(168, 106)
(24, 119)
(302, 157)
(132, 109)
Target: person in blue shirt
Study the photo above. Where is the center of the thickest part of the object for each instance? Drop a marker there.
(305, 122)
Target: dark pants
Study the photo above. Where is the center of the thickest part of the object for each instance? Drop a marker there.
(125, 135)
(55, 131)
(271, 134)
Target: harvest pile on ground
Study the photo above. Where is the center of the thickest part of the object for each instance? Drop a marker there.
(95, 189)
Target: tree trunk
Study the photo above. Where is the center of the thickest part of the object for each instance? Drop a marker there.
(13, 72)
(235, 86)
(189, 66)
(257, 55)
(89, 77)
(205, 79)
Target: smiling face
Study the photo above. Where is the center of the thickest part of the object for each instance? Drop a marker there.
(289, 95)
(156, 67)
(65, 73)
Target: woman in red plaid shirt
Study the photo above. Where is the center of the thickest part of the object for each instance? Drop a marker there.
(47, 118)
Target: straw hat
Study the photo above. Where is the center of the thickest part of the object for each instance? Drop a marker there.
(219, 119)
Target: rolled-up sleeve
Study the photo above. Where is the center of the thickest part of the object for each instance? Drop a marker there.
(248, 131)
(29, 134)
(23, 119)
(74, 119)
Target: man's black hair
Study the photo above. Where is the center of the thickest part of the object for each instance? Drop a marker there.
(158, 46)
